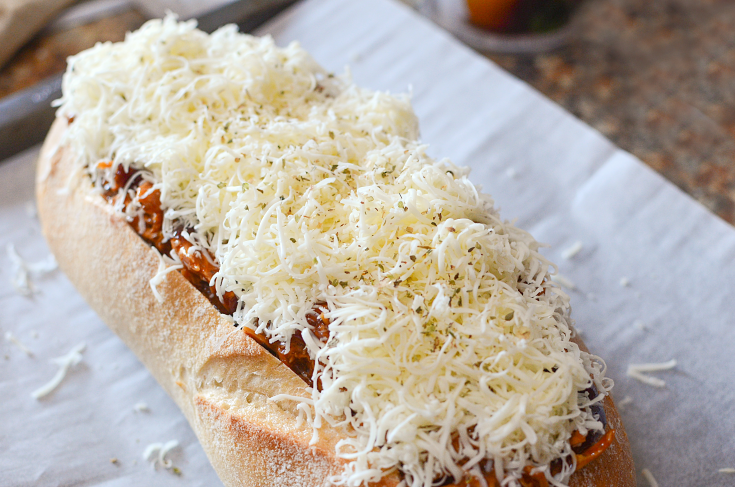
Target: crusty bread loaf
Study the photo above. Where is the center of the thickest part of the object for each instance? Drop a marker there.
(219, 377)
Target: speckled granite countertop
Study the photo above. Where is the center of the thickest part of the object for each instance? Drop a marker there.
(658, 79)
(46, 54)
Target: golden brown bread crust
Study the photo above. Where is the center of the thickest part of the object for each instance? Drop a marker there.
(615, 467)
(219, 377)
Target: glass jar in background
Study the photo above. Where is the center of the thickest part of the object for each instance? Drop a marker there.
(505, 26)
(520, 16)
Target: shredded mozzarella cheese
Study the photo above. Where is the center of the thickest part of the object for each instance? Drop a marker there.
(10, 337)
(563, 281)
(156, 453)
(65, 362)
(24, 271)
(31, 209)
(450, 349)
(166, 264)
(141, 407)
(649, 477)
(625, 401)
(572, 250)
(638, 372)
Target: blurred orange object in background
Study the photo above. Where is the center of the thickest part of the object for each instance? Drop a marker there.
(521, 16)
(491, 14)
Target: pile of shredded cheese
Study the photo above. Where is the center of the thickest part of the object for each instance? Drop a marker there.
(449, 350)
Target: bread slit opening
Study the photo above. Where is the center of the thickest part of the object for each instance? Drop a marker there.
(128, 186)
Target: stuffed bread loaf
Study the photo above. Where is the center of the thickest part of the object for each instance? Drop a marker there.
(268, 370)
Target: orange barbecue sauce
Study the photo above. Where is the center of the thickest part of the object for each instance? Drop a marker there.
(577, 439)
(595, 450)
(199, 270)
(538, 479)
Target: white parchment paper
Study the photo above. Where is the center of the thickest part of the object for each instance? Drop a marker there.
(559, 178)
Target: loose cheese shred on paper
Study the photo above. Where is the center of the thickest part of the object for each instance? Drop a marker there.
(156, 453)
(625, 401)
(65, 362)
(649, 477)
(10, 337)
(31, 209)
(573, 250)
(24, 271)
(449, 342)
(638, 372)
(563, 281)
(727, 470)
(141, 407)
